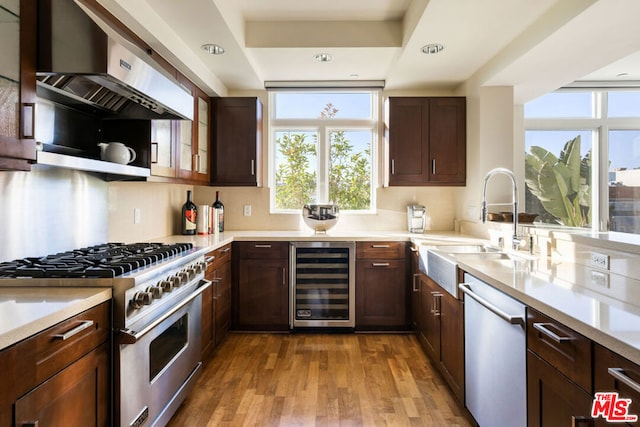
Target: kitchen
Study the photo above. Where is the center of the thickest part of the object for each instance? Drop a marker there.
(52, 209)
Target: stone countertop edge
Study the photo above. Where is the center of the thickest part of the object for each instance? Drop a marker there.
(31, 320)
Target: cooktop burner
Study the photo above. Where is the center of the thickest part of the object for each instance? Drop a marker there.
(106, 260)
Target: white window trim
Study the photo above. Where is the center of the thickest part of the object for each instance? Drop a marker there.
(323, 127)
(600, 125)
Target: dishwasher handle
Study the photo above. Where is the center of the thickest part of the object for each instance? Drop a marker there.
(514, 320)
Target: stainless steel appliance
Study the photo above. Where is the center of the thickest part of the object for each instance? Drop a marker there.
(322, 284)
(495, 355)
(157, 312)
(416, 218)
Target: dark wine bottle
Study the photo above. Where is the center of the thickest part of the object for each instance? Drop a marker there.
(189, 214)
(219, 210)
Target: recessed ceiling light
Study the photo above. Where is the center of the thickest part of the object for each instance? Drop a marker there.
(354, 75)
(323, 57)
(622, 74)
(213, 49)
(432, 48)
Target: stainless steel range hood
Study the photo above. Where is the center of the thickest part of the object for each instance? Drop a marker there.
(79, 63)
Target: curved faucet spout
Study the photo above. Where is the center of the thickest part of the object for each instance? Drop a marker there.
(503, 171)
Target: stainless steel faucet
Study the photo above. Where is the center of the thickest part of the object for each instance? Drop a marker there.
(515, 239)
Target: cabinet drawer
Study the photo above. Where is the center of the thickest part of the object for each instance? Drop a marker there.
(262, 250)
(57, 347)
(613, 372)
(385, 250)
(563, 348)
(218, 257)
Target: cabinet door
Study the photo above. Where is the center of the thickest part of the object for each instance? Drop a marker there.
(452, 343)
(553, 400)
(263, 294)
(415, 290)
(430, 303)
(163, 156)
(447, 140)
(236, 153)
(76, 396)
(17, 84)
(207, 339)
(408, 141)
(381, 294)
(222, 302)
(203, 137)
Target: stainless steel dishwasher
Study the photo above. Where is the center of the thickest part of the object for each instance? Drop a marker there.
(322, 284)
(495, 355)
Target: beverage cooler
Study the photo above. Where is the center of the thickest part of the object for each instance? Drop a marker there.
(322, 284)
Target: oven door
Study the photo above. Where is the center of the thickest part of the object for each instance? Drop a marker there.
(158, 365)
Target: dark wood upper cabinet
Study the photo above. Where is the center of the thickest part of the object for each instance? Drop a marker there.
(236, 158)
(427, 141)
(17, 85)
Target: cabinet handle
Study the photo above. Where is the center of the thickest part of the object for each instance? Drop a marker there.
(263, 246)
(415, 276)
(393, 167)
(253, 167)
(577, 421)
(514, 320)
(284, 276)
(542, 328)
(380, 264)
(380, 246)
(154, 153)
(433, 166)
(209, 259)
(75, 331)
(618, 373)
(225, 250)
(28, 121)
(412, 249)
(436, 298)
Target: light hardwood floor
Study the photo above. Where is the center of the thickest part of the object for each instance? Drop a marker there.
(320, 380)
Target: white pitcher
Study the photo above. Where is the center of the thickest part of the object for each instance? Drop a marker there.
(116, 152)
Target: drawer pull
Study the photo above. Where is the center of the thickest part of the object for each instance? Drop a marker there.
(263, 246)
(75, 331)
(542, 328)
(412, 249)
(209, 259)
(225, 250)
(380, 264)
(618, 373)
(415, 289)
(380, 246)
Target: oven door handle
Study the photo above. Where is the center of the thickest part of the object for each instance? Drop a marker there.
(128, 336)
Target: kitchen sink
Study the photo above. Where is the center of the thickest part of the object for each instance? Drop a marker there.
(439, 262)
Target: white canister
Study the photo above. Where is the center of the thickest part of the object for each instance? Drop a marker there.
(202, 220)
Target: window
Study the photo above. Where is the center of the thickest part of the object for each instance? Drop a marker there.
(561, 140)
(323, 149)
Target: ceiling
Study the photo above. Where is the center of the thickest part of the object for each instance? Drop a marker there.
(535, 46)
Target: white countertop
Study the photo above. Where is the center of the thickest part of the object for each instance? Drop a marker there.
(26, 311)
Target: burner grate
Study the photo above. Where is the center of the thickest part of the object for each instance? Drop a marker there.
(104, 261)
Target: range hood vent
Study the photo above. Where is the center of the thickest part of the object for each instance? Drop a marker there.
(79, 63)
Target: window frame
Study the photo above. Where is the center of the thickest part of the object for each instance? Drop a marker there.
(600, 124)
(324, 127)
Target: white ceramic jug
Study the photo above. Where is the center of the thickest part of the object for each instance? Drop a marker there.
(116, 152)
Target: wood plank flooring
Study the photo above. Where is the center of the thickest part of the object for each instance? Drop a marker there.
(320, 380)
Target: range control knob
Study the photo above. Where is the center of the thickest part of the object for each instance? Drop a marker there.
(140, 299)
(155, 291)
(166, 285)
(183, 277)
(200, 267)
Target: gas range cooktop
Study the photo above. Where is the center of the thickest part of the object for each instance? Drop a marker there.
(109, 260)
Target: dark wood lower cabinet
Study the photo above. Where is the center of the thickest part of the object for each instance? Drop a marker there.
(76, 396)
(222, 302)
(216, 300)
(614, 373)
(441, 332)
(553, 399)
(263, 294)
(381, 294)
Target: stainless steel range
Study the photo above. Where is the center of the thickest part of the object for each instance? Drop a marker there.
(157, 313)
